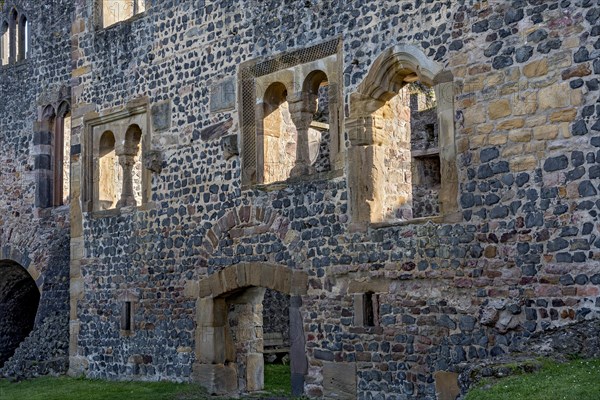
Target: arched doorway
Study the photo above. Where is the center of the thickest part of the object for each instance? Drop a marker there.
(229, 336)
(19, 300)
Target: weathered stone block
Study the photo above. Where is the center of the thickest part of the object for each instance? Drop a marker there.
(446, 385)
(499, 109)
(217, 379)
(339, 380)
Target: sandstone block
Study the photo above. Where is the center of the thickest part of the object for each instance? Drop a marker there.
(536, 68)
(511, 124)
(446, 385)
(216, 379)
(499, 109)
(255, 366)
(523, 163)
(545, 132)
(564, 115)
(554, 96)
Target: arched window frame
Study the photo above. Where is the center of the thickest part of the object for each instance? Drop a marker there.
(13, 26)
(4, 43)
(381, 84)
(60, 153)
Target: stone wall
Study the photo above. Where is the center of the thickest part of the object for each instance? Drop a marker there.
(519, 254)
(32, 237)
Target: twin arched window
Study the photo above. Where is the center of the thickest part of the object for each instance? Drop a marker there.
(14, 39)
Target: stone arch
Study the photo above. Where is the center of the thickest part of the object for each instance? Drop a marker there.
(19, 301)
(12, 254)
(221, 367)
(246, 220)
(390, 72)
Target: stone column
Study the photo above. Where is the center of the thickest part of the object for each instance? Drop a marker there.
(127, 162)
(302, 109)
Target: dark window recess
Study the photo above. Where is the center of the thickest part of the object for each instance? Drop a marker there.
(370, 304)
(126, 317)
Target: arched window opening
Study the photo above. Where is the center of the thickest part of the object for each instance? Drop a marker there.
(316, 88)
(109, 172)
(13, 26)
(131, 165)
(61, 155)
(114, 11)
(22, 45)
(401, 129)
(4, 44)
(425, 152)
(277, 154)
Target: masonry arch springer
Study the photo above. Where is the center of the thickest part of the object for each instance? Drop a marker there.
(12, 255)
(250, 220)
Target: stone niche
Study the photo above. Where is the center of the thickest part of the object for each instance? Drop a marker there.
(115, 176)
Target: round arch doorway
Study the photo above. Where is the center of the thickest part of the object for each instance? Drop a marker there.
(19, 300)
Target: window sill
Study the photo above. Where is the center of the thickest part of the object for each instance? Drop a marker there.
(275, 186)
(122, 22)
(114, 212)
(436, 219)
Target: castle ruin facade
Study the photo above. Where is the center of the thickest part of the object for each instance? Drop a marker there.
(386, 189)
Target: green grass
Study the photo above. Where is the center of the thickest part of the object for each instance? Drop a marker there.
(63, 388)
(575, 380)
(277, 383)
(278, 380)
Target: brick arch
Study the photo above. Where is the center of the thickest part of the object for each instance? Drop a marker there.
(14, 255)
(244, 221)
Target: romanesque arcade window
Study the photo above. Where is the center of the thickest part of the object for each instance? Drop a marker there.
(294, 136)
(401, 127)
(113, 11)
(115, 176)
(14, 38)
(290, 110)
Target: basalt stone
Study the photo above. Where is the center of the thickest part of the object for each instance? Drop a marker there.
(522, 179)
(480, 26)
(548, 46)
(557, 244)
(537, 36)
(581, 55)
(513, 15)
(579, 128)
(586, 189)
(489, 154)
(556, 163)
(523, 54)
(493, 49)
(501, 62)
